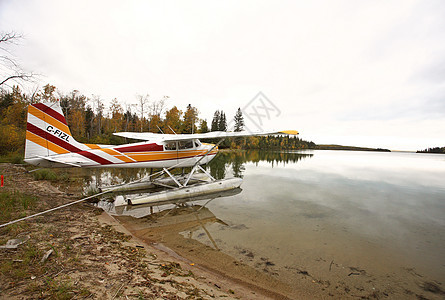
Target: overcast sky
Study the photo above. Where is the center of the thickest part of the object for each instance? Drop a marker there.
(364, 73)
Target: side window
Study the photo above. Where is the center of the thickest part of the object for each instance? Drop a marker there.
(170, 146)
(185, 145)
(197, 144)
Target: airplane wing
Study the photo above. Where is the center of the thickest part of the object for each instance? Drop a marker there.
(149, 136)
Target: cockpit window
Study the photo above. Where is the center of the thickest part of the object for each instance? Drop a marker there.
(197, 144)
(170, 146)
(185, 144)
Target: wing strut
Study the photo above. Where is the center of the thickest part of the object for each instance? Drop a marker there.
(202, 169)
(173, 177)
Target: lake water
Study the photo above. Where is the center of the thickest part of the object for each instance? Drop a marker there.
(333, 223)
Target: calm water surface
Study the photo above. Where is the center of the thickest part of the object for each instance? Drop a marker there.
(332, 216)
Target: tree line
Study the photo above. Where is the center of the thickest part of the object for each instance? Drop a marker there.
(433, 150)
(90, 121)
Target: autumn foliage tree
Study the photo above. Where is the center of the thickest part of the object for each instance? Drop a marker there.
(12, 120)
(172, 121)
(190, 119)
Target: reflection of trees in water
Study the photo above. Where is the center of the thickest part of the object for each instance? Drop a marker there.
(110, 176)
(276, 157)
(237, 166)
(218, 167)
(236, 160)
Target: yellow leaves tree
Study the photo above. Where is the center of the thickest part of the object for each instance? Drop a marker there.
(76, 123)
(173, 120)
(117, 116)
(12, 121)
(190, 119)
(11, 139)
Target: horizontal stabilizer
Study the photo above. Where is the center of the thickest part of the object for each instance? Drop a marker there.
(58, 161)
(149, 136)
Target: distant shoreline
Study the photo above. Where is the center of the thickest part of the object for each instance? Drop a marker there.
(349, 148)
(318, 147)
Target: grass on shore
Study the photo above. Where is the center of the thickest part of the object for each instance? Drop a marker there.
(13, 158)
(13, 203)
(47, 174)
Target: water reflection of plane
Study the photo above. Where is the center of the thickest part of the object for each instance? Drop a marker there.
(183, 217)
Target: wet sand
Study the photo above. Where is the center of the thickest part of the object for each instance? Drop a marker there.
(165, 233)
(363, 271)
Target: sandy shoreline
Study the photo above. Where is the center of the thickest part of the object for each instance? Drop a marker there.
(213, 261)
(241, 287)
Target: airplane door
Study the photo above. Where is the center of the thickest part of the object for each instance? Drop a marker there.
(173, 146)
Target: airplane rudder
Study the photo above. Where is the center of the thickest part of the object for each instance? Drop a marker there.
(47, 131)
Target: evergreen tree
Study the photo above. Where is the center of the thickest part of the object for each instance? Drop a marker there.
(215, 121)
(239, 120)
(222, 124)
(203, 128)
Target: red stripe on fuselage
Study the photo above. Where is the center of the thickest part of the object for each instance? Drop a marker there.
(141, 148)
(48, 110)
(66, 145)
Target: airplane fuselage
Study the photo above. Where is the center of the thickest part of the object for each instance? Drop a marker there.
(135, 155)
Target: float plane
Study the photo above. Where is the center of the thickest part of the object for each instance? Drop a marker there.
(49, 143)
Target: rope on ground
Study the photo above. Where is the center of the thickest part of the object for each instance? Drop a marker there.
(52, 209)
(23, 172)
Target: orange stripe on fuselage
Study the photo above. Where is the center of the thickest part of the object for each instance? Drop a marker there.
(117, 154)
(165, 155)
(45, 143)
(124, 158)
(48, 119)
(92, 146)
(110, 151)
(150, 156)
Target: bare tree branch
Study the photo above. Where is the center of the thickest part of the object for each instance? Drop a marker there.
(10, 37)
(10, 70)
(8, 60)
(22, 76)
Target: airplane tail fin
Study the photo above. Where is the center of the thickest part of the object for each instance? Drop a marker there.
(47, 132)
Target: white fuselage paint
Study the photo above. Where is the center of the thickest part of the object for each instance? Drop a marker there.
(161, 159)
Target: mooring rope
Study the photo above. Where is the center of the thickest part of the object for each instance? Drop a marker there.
(52, 209)
(22, 172)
